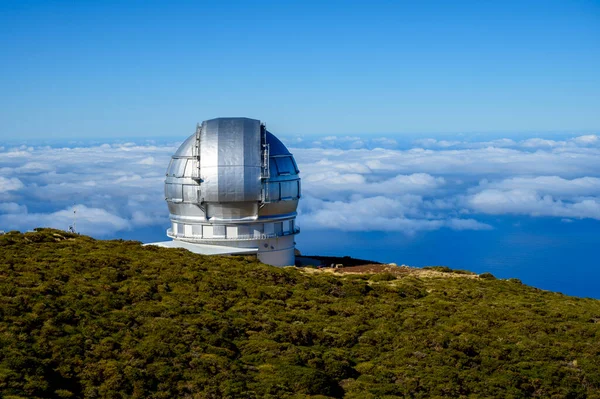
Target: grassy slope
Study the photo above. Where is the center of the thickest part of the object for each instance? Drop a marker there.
(112, 319)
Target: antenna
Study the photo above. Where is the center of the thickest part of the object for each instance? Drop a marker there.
(72, 227)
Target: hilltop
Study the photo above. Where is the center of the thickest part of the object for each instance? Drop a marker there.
(81, 317)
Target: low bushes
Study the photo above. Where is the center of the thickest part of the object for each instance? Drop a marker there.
(112, 319)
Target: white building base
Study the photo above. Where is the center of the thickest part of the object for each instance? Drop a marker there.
(204, 249)
(277, 251)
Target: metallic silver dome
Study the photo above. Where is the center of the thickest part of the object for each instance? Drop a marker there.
(233, 181)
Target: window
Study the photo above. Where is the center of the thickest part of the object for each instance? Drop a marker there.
(232, 232)
(219, 231)
(278, 228)
(190, 193)
(177, 167)
(173, 192)
(269, 229)
(289, 189)
(207, 231)
(272, 167)
(258, 230)
(242, 231)
(189, 172)
(197, 230)
(273, 192)
(285, 166)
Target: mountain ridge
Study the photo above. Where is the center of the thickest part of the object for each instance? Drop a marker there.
(88, 318)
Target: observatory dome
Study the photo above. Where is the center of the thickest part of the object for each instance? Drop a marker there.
(232, 183)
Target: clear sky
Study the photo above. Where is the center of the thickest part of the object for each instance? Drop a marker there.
(91, 69)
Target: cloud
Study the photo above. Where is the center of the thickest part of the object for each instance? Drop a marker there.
(431, 143)
(380, 214)
(34, 167)
(116, 187)
(333, 184)
(10, 184)
(588, 139)
(553, 185)
(385, 142)
(348, 142)
(349, 183)
(540, 143)
(530, 202)
(147, 161)
(538, 196)
(92, 221)
(12, 207)
(487, 162)
(452, 179)
(531, 143)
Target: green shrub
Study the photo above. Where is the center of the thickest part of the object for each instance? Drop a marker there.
(446, 269)
(459, 271)
(383, 277)
(84, 318)
(443, 269)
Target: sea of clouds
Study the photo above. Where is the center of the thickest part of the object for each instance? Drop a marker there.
(348, 183)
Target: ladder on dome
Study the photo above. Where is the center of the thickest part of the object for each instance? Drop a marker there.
(196, 154)
(196, 169)
(265, 172)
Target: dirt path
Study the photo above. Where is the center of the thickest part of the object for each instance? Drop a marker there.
(399, 271)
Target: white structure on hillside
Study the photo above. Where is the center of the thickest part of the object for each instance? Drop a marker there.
(232, 187)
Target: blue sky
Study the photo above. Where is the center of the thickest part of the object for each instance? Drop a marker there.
(153, 68)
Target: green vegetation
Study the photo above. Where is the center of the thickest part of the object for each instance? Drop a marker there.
(81, 318)
(382, 277)
(446, 269)
(487, 276)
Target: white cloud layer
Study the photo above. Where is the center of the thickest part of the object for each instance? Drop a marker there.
(92, 221)
(381, 214)
(348, 183)
(113, 187)
(530, 202)
(10, 184)
(449, 183)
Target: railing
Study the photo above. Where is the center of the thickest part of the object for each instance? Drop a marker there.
(243, 237)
